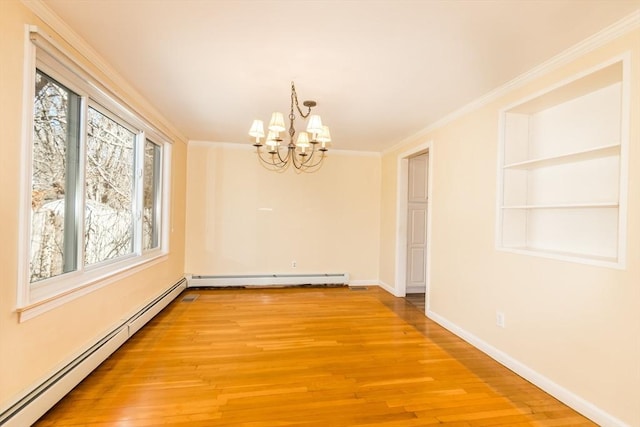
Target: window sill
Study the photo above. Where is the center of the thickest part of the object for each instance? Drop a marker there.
(50, 301)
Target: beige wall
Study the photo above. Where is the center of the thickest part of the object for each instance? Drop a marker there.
(244, 219)
(575, 324)
(32, 350)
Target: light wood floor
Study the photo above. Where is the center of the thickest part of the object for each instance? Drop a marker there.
(417, 300)
(302, 357)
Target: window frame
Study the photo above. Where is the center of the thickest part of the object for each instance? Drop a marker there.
(158, 188)
(44, 54)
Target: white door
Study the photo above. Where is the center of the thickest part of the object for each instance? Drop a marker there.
(417, 224)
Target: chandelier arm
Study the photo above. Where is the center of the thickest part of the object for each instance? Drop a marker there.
(296, 163)
(286, 158)
(267, 161)
(281, 164)
(313, 168)
(319, 162)
(308, 157)
(308, 162)
(310, 168)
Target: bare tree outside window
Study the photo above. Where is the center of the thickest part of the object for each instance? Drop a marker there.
(95, 196)
(54, 172)
(109, 189)
(151, 184)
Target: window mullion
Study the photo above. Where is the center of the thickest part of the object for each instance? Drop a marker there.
(157, 198)
(82, 191)
(72, 157)
(139, 192)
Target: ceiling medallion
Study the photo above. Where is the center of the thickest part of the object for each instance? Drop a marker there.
(304, 154)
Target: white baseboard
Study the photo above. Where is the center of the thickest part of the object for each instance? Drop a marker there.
(44, 395)
(388, 288)
(571, 399)
(357, 283)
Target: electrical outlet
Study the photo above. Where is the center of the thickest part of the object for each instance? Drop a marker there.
(500, 319)
(293, 264)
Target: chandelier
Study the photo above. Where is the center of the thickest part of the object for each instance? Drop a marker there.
(309, 149)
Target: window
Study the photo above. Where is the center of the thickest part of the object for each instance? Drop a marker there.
(109, 189)
(151, 196)
(55, 168)
(97, 200)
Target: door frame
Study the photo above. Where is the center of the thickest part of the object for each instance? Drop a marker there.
(402, 197)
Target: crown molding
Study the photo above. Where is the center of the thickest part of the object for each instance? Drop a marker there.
(247, 147)
(119, 83)
(604, 36)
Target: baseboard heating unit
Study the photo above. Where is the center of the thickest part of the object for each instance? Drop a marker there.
(42, 398)
(196, 281)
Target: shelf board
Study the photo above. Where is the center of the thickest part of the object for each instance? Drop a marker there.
(562, 255)
(577, 156)
(565, 206)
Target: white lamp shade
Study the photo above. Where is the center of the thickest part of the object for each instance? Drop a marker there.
(315, 124)
(257, 129)
(277, 122)
(303, 140)
(325, 135)
(271, 139)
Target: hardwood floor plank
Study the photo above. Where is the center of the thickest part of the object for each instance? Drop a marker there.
(302, 357)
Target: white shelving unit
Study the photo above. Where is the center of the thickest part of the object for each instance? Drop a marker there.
(562, 170)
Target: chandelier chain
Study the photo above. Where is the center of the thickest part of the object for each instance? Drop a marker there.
(294, 95)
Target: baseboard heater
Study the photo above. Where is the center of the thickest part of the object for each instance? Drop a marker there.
(196, 281)
(43, 397)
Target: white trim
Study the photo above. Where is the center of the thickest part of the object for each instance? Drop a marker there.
(232, 145)
(402, 189)
(624, 158)
(24, 222)
(49, 303)
(359, 283)
(617, 29)
(356, 153)
(388, 288)
(149, 112)
(566, 396)
(401, 217)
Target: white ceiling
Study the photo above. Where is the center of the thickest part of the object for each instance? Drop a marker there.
(379, 70)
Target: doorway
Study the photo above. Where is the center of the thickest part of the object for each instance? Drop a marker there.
(413, 225)
(417, 199)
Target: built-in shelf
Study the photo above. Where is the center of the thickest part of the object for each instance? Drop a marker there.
(570, 256)
(566, 206)
(576, 156)
(561, 189)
